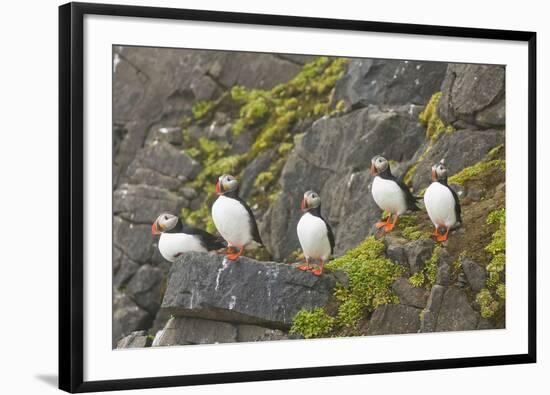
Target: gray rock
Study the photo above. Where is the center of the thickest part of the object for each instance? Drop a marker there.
(245, 291)
(251, 171)
(460, 149)
(443, 276)
(475, 273)
(138, 339)
(253, 333)
(394, 319)
(485, 323)
(418, 252)
(428, 317)
(135, 241)
(142, 204)
(473, 95)
(185, 330)
(127, 317)
(166, 159)
(127, 269)
(146, 288)
(455, 313)
(343, 181)
(172, 135)
(395, 250)
(408, 294)
(155, 179)
(389, 82)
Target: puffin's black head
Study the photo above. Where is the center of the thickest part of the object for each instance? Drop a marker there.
(226, 183)
(311, 200)
(378, 164)
(163, 223)
(439, 171)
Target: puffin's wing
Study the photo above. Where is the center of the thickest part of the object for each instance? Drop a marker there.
(411, 200)
(253, 225)
(458, 210)
(330, 236)
(209, 241)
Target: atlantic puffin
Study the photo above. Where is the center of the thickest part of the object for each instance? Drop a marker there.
(234, 218)
(177, 238)
(442, 203)
(390, 193)
(314, 233)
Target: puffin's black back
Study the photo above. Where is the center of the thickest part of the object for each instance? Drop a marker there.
(410, 199)
(208, 240)
(317, 212)
(458, 210)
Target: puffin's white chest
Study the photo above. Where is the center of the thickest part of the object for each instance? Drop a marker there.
(232, 221)
(388, 196)
(313, 236)
(440, 205)
(173, 244)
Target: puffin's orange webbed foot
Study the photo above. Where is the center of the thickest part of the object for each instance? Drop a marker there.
(389, 227)
(304, 267)
(317, 272)
(441, 237)
(380, 224)
(235, 255)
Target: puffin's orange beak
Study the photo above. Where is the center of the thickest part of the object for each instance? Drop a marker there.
(434, 175)
(373, 169)
(218, 187)
(303, 205)
(154, 229)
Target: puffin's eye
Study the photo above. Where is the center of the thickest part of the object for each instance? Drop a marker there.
(166, 217)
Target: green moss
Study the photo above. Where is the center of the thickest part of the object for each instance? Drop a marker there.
(429, 117)
(200, 109)
(487, 297)
(370, 275)
(269, 116)
(428, 274)
(476, 170)
(417, 279)
(311, 324)
(487, 304)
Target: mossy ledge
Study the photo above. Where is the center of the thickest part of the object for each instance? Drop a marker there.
(270, 116)
(371, 276)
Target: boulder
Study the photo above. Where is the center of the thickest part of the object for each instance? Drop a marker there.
(146, 288)
(473, 95)
(138, 339)
(389, 82)
(429, 314)
(455, 313)
(245, 291)
(186, 330)
(475, 274)
(408, 294)
(127, 317)
(142, 204)
(166, 159)
(125, 272)
(418, 252)
(394, 319)
(133, 240)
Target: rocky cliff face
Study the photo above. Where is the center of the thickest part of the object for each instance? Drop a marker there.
(284, 124)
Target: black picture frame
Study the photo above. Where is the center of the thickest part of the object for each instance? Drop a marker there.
(71, 199)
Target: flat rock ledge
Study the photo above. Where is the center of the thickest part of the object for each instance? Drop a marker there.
(246, 291)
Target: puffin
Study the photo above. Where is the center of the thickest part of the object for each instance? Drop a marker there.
(442, 203)
(390, 193)
(314, 233)
(177, 238)
(233, 218)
